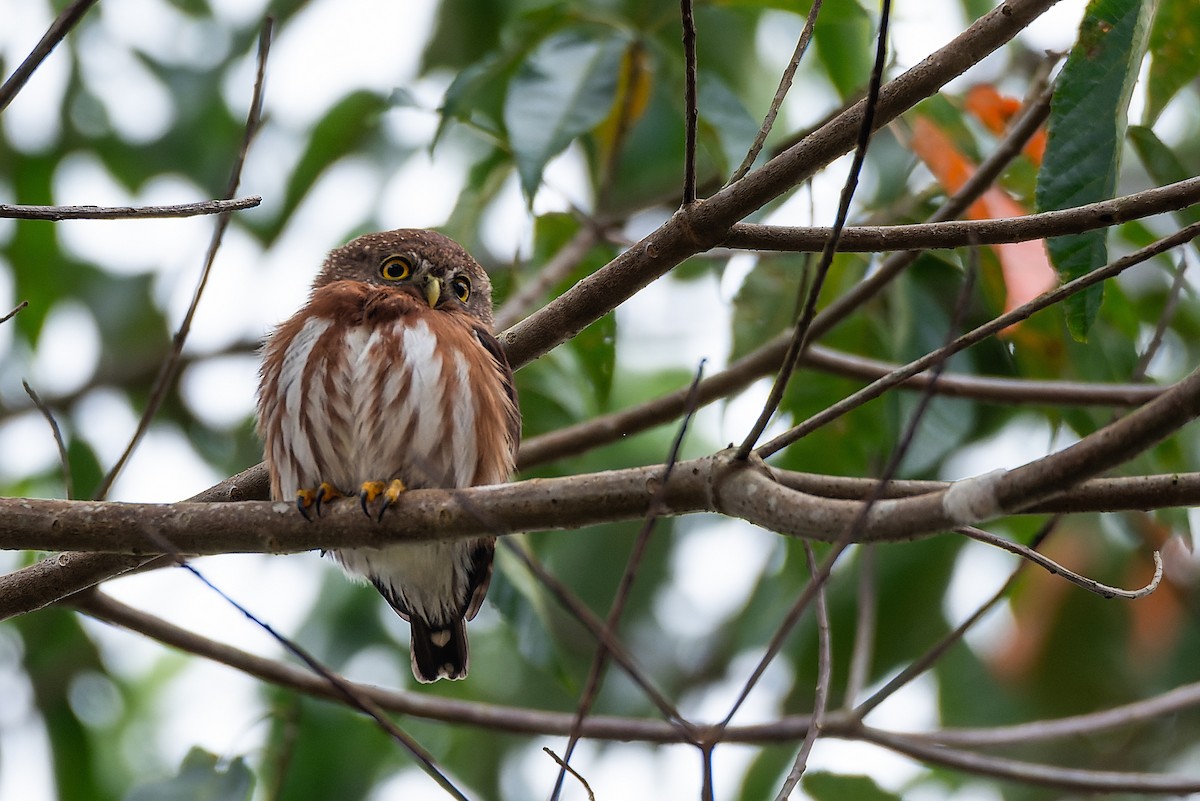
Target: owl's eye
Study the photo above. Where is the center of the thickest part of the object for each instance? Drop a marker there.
(462, 287)
(396, 268)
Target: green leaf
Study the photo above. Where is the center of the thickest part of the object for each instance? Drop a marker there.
(1175, 53)
(724, 120)
(843, 38)
(200, 779)
(565, 88)
(1085, 134)
(831, 787)
(346, 128)
(765, 304)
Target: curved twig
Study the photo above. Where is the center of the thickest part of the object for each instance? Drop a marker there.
(1040, 559)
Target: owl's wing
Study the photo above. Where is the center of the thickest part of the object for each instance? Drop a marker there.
(481, 554)
(492, 346)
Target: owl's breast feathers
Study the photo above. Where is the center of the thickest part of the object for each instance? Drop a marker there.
(368, 383)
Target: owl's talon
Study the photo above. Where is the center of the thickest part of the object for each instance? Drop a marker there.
(326, 492)
(307, 499)
(374, 490)
(368, 492)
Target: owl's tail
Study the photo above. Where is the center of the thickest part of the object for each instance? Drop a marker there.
(438, 653)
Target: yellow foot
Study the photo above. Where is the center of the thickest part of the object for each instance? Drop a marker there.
(307, 499)
(374, 490)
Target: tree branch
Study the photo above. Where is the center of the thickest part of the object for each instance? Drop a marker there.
(963, 233)
(56, 213)
(58, 31)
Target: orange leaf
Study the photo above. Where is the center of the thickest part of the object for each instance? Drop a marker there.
(996, 111)
(1026, 269)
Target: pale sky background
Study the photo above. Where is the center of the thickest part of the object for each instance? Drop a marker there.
(333, 46)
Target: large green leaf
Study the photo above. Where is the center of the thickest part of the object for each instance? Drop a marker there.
(1086, 133)
(1175, 53)
(565, 88)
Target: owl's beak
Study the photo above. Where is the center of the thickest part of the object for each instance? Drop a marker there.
(433, 290)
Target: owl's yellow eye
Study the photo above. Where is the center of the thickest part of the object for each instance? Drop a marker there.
(396, 268)
(462, 287)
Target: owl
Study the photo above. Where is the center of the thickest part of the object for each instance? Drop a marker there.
(390, 378)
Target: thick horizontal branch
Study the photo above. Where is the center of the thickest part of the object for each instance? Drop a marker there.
(56, 213)
(716, 484)
(925, 236)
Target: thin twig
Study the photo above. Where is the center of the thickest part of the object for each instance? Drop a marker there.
(568, 769)
(344, 688)
(865, 626)
(785, 84)
(801, 333)
(64, 460)
(691, 112)
(824, 679)
(1091, 585)
(57, 31)
(56, 213)
(559, 267)
(23, 304)
(166, 374)
(595, 626)
(625, 585)
(1164, 320)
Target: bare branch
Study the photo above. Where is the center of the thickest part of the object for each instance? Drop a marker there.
(565, 260)
(23, 304)
(710, 484)
(931, 235)
(58, 31)
(785, 85)
(1088, 725)
(691, 112)
(347, 690)
(63, 460)
(57, 213)
(824, 679)
(568, 769)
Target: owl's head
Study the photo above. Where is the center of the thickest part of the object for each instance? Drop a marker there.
(425, 264)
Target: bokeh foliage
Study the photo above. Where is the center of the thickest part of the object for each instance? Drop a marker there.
(520, 82)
